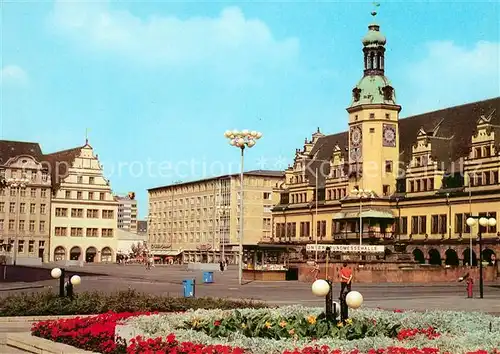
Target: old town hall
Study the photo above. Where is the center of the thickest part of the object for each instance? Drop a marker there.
(408, 184)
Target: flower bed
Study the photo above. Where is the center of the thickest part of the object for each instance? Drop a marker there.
(269, 331)
(218, 332)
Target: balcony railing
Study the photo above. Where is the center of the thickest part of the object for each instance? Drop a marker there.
(366, 235)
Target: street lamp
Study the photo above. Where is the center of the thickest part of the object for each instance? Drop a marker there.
(241, 140)
(17, 183)
(360, 194)
(60, 273)
(483, 221)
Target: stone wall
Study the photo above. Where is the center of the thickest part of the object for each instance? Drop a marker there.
(393, 273)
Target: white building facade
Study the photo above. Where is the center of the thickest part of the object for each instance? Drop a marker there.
(83, 209)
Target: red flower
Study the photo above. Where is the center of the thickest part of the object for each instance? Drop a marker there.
(429, 332)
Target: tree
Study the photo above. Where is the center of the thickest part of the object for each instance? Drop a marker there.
(138, 250)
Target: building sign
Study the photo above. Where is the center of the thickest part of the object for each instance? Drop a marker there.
(346, 248)
(205, 247)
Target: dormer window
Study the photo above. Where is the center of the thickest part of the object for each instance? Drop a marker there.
(356, 94)
(487, 151)
(372, 115)
(478, 153)
(387, 116)
(388, 93)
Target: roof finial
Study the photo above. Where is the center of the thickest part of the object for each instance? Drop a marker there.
(86, 136)
(375, 5)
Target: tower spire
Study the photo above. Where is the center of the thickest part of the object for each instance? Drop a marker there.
(374, 47)
(375, 6)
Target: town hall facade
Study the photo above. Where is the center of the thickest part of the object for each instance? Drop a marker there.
(410, 183)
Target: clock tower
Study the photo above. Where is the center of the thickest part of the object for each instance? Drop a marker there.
(373, 122)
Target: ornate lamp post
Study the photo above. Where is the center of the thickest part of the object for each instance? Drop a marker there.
(352, 300)
(241, 140)
(483, 221)
(17, 183)
(60, 273)
(360, 194)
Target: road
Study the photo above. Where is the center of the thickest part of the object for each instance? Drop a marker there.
(163, 280)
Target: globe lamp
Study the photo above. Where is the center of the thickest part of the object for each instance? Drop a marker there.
(354, 299)
(75, 280)
(55, 273)
(320, 287)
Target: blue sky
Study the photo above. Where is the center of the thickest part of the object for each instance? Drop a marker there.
(158, 82)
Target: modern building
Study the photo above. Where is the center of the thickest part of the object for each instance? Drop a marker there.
(127, 212)
(24, 202)
(83, 211)
(142, 227)
(409, 184)
(198, 221)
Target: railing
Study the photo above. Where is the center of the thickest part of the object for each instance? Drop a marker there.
(365, 234)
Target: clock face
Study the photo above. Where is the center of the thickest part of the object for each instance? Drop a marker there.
(356, 136)
(389, 132)
(355, 154)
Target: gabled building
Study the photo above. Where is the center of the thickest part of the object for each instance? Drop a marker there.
(409, 184)
(84, 211)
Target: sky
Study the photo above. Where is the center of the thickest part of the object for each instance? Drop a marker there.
(154, 84)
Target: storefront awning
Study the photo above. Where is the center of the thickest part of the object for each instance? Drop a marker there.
(166, 252)
(371, 213)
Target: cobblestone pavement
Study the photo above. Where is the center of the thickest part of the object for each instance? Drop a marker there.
(163, 280)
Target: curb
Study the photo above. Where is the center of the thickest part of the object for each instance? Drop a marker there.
(23, 287)
(31, 344)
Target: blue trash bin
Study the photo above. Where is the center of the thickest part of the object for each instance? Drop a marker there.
(188, 286)
(208, 277)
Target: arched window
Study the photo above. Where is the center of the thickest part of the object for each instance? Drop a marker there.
(59, 254)
(106, 255)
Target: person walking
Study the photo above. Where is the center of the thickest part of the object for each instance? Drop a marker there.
(345, 278)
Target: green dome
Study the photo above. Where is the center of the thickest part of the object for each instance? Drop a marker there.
(374, 36)
(373, 89)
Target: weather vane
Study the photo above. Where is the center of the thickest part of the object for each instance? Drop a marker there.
(375, 5)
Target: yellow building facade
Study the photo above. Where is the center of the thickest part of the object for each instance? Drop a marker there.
(199, 221)
(83, 210)
(410, 183)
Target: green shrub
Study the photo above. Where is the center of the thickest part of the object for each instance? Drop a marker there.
(266, 325)
(84, 303)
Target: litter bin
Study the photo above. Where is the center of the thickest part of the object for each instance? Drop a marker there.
(188, 286)
(208, 277)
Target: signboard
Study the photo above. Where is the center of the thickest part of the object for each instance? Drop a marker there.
(204, 247)
(160, 246)
(346, 248)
